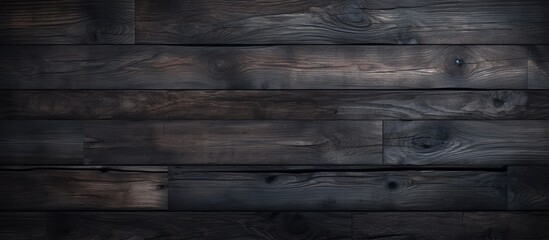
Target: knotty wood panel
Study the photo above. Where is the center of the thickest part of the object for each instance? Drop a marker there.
(175, 225)
(338, 191)
(72, 188)
(451, 225)
(274, 105)
(272, 67)
(529, 188)
(67, 22)
(41, 142)
(342, 21)
(466, 142)
(538, 67)
(233, 142)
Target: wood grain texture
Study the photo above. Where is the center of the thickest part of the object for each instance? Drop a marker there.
(337, 191)
(460, 143)
(342, 21)
(450, 225)
(232, 142)
(175, 225)
(538, 67)
(373, 105)
(67, 22)
(78, 188)
(41, 142)
(262, 67)
(528, 188)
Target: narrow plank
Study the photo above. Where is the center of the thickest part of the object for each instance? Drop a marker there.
(529, 188)
(232, 142)
(175, 225)
(451, 225)
(83, 188)
(337, 191)
(67, 22)
(41, 142)
(538, 67)
(373, 105)
(466, 142)
(263, 67)
(342, 21)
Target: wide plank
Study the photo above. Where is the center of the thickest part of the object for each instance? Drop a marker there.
(529, 188)
(263, 67)
(175, 225)
(38, 142)
(281, 105)
(538, 67)
(83, 188)
(67, 22)
(342, 21)
(466, 142)
(450, 225)
(381, 190)
(232, 142)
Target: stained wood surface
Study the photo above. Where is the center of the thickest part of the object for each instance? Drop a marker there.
(263, 67)
(233, 142)
(461, 143)
(338, 191)
(341, 21)
(538, 67)
(76, 188)
(67, 22)
(451, 225)
(529, 188)
(41, 142)
(175, 225)
(286, 105)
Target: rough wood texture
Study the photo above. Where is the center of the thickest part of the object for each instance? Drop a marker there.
(338, 191)
(41, 142)
(528, 188)
(142, 105)
(538, 67)
(67, 22)
(460, 143)
(342, 21)
(450, 225)
(233, 142)
(76, 188)
(175, 225)
(271, 67)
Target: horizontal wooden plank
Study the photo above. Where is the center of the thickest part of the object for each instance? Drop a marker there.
(263, 67)
(67, 22)
(41, 142)
(529, 188)
(78, 188)
(342, 21)
(175, 225)
(538, 67)
(338, 191)
(451, 225)
(466, 142)
(141, 105)
(232, 142)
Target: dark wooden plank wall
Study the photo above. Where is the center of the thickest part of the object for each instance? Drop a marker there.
(267, 119)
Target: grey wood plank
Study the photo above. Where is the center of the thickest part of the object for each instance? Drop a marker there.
(528, 188)
(281, 105)
(342, 21)
(451, 225)
(461, 143)
(263, 67)
(67, 22)
(338, 191)
(232, 142)
(538, 67)
(83, 188)
(41, 142)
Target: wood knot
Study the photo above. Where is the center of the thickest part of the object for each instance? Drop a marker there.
(458, 62)
(431, 140)
(270, 179)
(392, 185)
(497, 102)
(350, 15)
